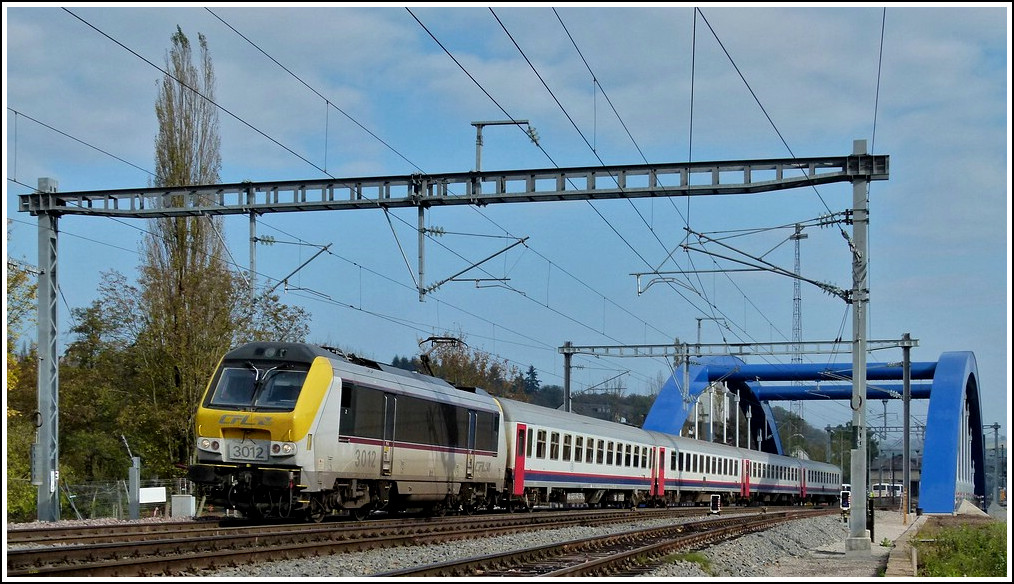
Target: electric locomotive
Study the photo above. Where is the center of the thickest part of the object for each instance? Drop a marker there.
(295, 430)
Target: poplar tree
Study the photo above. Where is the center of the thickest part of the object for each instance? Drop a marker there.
(189, 308)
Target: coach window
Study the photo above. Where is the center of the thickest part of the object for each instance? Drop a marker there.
(601, 452)
(578, 448)
(619, 453)
(554, 446)
(530, 442)
(693, 462)
(566, 447)
(589, 453)
(609, 453)
(540, 444)
(626, 456)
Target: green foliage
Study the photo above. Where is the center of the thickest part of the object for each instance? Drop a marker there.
(460, 365)
(405, 363)
(531, 380)
(698, 558)
(21, 308)
(22, 495)
(963, 551)
(550, 396)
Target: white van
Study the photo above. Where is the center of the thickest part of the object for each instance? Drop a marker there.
(886, 490)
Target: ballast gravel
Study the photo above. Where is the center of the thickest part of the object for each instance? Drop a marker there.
(751, 555)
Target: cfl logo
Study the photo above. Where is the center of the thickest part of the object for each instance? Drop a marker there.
(244, 420)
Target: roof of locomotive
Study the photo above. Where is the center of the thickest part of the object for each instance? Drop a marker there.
(307, 352)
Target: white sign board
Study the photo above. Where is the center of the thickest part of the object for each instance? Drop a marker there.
(152, 495)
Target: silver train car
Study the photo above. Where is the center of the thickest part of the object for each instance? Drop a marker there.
(293, 430)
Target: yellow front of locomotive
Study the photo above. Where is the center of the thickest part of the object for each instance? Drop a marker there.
(253, 427)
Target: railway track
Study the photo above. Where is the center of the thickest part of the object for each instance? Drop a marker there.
(177, 548)
(630, 553)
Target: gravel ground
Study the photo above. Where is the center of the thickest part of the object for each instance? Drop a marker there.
(750, 555)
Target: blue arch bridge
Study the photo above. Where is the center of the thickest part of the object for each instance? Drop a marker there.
(953, 449)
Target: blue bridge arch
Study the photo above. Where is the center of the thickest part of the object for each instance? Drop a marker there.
(953, 466)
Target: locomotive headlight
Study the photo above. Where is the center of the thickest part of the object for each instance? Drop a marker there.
(283, 448)
(209, 444)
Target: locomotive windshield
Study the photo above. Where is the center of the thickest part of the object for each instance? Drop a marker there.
(248, 388)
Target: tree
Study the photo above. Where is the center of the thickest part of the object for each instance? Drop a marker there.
(20, 431)
(188, 308)
(531, 380)
(462, 366)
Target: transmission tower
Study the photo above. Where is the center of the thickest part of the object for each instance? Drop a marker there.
(797, 318)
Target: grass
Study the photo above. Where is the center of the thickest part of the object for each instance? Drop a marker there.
(695, 557)
(978, 550)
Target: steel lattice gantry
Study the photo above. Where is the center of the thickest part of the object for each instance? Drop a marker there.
(464, 188)
(421, 191)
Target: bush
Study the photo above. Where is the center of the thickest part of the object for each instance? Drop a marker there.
(961, 551)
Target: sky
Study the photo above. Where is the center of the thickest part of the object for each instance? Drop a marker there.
(343, 90)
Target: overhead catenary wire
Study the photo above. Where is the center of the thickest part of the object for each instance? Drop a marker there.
(598, 83)
(577, 320)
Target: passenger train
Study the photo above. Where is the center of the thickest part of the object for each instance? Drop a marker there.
(294, 430)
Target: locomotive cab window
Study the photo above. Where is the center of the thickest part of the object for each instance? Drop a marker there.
(251, 388)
